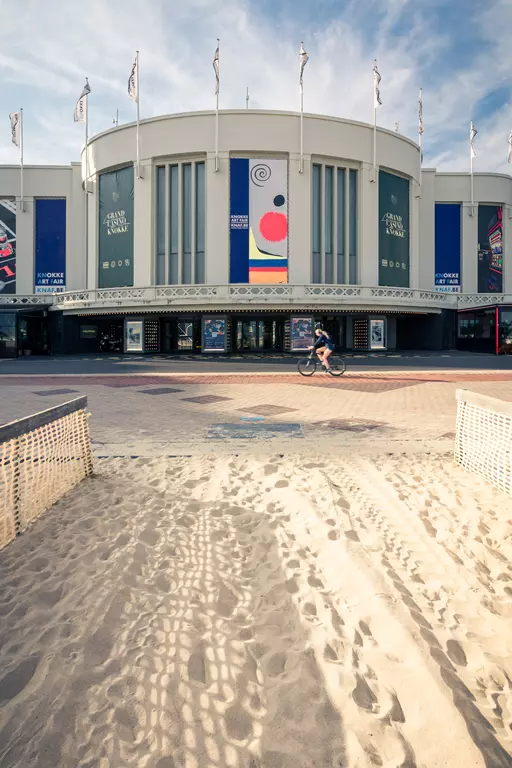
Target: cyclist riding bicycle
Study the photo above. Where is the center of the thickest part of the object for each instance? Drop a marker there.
(324, 348)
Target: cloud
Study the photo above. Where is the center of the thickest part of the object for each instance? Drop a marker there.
(52, 46)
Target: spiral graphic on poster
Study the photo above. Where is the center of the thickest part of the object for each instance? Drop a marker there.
(260, 174)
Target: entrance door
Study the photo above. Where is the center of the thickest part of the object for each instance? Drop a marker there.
(259, 335)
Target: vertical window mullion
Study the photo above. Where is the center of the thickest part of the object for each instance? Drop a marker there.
(192, 218)
(316, 209)
(347, 226)
(341, 248)
(335, 225)
(322, 223)
(167, 209)
(180, 223)
(352, 256)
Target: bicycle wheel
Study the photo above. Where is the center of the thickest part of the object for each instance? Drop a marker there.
(306, 366)
(338, 366)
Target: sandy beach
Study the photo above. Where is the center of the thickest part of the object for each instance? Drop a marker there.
(261, 612)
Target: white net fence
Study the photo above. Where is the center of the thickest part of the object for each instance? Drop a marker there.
(41, 458)
(483, 441)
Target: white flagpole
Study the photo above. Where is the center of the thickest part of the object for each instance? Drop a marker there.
(138, 116)
(472, 134)
(217, 90)
(22, 198)
(376, 102)
(472, 186)
(374, 142)
(304, 58)
(247, 98)
(301, 128)
(420, 131)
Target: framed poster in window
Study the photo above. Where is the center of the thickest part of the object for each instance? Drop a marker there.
(133, 336)
(377, 334)
(214, 334)
(302, 332)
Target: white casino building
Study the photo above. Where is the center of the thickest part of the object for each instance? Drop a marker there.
(245, 250)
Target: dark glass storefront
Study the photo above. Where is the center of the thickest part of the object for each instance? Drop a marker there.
(485, 330)
(249, 333)
(23, 333)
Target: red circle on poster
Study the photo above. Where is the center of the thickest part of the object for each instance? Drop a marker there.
(274, 226)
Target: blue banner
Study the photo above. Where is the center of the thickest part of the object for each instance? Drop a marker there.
(50, 267)
(239, 221)
(447, 248)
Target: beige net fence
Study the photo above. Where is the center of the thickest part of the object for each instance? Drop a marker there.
(483, 441)
(41, 458)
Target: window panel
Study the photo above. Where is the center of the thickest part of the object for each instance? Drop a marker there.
(186, 273)
(316, 228)
(200, 222)
(329, 271)
(352, 216)
(160, 225)
(340, 220)
(173, 225)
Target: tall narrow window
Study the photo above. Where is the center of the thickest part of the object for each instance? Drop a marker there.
(160, 226)
(186, 267)
(200, 222)
(173, 229)
(340, 231)
(329, 203)
(316, 276)
(352, 274)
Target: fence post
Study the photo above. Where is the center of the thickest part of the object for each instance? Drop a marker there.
(87, 445)
(17, 487)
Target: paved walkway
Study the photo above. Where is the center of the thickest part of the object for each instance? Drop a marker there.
(180, 414)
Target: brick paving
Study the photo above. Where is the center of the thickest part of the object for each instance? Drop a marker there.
(413, 410)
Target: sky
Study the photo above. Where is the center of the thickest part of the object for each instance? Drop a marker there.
(459, 52)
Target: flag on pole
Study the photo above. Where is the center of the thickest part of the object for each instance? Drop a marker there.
(376, 82)
(15, 127)
(420, 112)
(81, 105)
(510, 147)
(472, 133)
(304, 58)
(216, 67)
(133, 81)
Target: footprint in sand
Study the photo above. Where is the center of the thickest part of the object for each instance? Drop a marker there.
(197, 666)
(363, 695)
(13, 683)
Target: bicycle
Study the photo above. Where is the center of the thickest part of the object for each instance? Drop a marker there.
(308, 365)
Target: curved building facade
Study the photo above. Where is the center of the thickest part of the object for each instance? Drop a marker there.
(245, 242)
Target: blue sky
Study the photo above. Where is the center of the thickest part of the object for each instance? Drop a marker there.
(458, 52)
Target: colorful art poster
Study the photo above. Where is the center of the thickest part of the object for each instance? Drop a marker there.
(214, 334)
(377, 334)
(490, 249)
(133, 335)
(393, 230)
(448, 241)
(115, 237)
(302, 332)
(258, 220)
(50, 249)
(7, 245)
